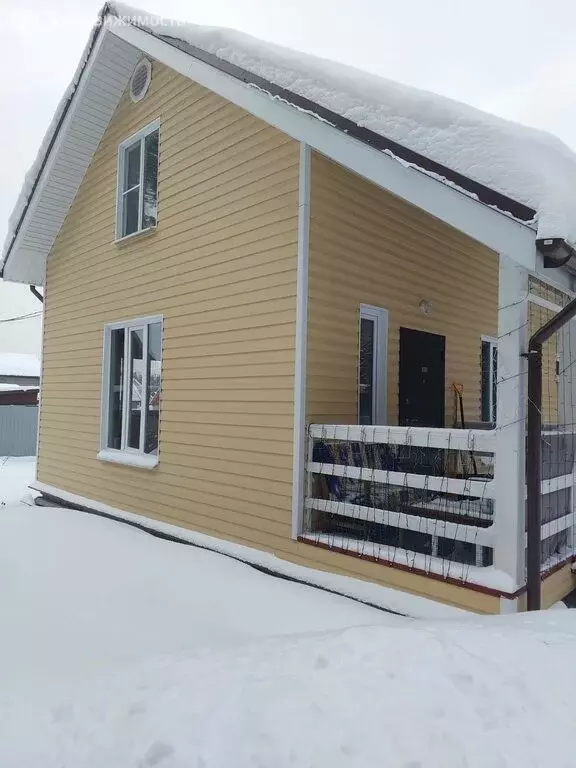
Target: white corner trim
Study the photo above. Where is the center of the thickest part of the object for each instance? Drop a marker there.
(299, 438)
(509, 469)
(487, 225)
(139, 460)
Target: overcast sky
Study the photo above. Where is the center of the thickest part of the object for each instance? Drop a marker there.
(512, 57)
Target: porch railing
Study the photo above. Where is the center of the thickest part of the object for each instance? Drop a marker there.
(422, 497)
(558, 494)
(427, 498)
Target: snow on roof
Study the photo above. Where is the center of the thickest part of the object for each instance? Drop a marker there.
(12, 364)
(530, 166)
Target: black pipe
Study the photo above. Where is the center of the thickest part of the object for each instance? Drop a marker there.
(534, 478)
(37, 293)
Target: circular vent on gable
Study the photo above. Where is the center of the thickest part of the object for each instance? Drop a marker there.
(140, 80)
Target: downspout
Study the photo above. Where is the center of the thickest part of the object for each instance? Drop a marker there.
(37, 293)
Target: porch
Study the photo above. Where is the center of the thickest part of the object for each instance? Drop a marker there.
(449, 502)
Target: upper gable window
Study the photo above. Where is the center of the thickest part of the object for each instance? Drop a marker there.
(137, 197)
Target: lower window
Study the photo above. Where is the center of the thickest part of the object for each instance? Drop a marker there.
(132, 385)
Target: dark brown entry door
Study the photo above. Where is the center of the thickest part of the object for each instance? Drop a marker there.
(422, 378)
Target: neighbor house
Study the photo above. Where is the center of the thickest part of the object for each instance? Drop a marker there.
(20, 370)
(19, 389)
(272, 317)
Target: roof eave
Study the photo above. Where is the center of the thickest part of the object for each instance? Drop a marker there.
(96, 31)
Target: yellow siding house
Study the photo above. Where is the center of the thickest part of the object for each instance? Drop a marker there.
(261, 326)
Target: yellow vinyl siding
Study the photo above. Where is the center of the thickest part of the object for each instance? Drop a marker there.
(221, 269)
(368, 247)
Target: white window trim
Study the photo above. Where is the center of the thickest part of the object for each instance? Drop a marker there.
(130, 459)
(493, 341)
(131, 456)
(139, 136)
(380, 373)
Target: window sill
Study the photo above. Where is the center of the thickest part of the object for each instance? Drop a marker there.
(140, 233)
(140, 460)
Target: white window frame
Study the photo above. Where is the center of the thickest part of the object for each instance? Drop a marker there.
(126, 455)
(491, 405)
(123, 147)
(380, 373)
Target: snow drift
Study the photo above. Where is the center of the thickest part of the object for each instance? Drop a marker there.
(17, 364)
(119, 649)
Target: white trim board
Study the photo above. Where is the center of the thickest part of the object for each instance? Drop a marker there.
(386, 598)
(433, 437)
(480, 489)
(136, 138)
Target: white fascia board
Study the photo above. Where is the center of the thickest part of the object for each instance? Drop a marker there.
(484, 224)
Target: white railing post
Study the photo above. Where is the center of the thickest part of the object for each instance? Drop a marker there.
(510, 457)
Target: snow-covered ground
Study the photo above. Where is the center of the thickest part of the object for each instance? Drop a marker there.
(119, 649)
(15, 475)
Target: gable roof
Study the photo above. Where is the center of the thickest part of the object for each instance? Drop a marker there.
(526, 174)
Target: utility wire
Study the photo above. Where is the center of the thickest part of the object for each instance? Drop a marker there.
(20, 317)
